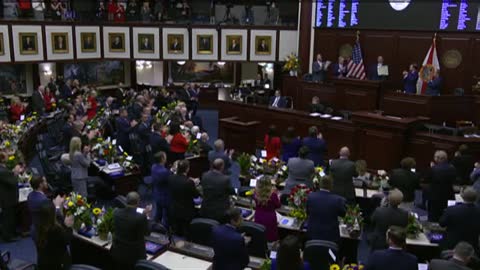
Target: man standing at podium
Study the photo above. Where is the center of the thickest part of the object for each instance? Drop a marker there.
(319, 69)
(410, 79)
(434, 85)
(378, 72)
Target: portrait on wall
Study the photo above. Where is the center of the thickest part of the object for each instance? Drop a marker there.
(175, 44)
(88, 41)
(28, 43)
(234, 44)
(263, 45)
(145, 43)
(2, 46)
(204, 44)
(59, 42)
(116, 42)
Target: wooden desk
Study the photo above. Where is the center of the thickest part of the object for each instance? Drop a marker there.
(233, 129)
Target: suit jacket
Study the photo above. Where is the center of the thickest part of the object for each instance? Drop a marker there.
(80, 164)
(216, 195)
(410, 82)
(440, 177)
(323, 210)
(143, 130)
(464, 166)
(229, 248)
(183, 95)
(463, 224)
(434, 87)
(212, 155)
(382, 219)
(406, 181)
(316, 108)
(340, 71)
(317, 148)
(300, 171)
(282, 103)
(67, 132)
(158, 143)
(175, 47)
(55, 255)
(123, 131)
(147, 46)
(38, 104)
(263, 48)
(391, 259)
(118, 45)
(319, 73)
(35, 201)
(452, 264)
(182, 192)
(8, 188)
(343, 171)
(129, 238)
(160, 175)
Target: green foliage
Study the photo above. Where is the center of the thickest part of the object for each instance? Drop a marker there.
(244, 163)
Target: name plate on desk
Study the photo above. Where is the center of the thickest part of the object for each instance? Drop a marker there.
(173, 260)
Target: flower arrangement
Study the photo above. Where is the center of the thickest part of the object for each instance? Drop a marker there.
(319, 174)
(292, 63)
(193, 147)
(266, 265)
(282, 173)
(77, 206)
(105, 223)
(165, 113)
(380, 181)
(352, 266)
(353, 219)
(414, 228)
(297, 200)
(106, 149)
(244, 163)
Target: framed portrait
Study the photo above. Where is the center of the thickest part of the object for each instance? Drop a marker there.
(234, 44)
(116, 42)
(88, 41)
(28, 43)
(59, 42)
(175, 44)
(2, 45)
(146, 43)
(263, 45)
(205, 44)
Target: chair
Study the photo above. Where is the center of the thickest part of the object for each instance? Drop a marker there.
(200, 230)
(317, 254)
(258, 245)
(149, 265)
(6, 262)
(289, 100)
(83, 267)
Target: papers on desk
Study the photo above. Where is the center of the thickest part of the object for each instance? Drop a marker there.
(337, 118)
(23, 193)
(173, 260)
(422, 266)
(285, 221)
(368, 193)
(471, 136)
(325, 115)
(112, 168)
(421, 240)
(382, 70)
(315, 114)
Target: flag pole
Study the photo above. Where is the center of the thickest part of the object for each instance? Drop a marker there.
(358, 35)
(435, 38)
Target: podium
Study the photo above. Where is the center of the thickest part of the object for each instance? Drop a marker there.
(383, 139)
(237, 134)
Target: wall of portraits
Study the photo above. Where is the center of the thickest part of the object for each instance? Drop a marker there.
(37, 43)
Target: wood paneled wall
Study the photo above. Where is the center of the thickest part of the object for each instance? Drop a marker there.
(400, 48)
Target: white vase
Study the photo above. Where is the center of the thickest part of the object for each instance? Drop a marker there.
(293, 73)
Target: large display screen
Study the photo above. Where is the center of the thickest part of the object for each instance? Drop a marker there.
(448, 15)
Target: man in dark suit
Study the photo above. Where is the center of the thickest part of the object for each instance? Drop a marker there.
(219, 152)
(410, 79)
(462, 255)
(124, 127)
(228, 244)
(157, 142)
(161, 192)
(343, 170)
(440, 185)
(60, 43)
(258, 83)
(393, 258)
(462, 221)
(146, 44)
(463, 163)
(316, 146)
(38, 104)
(319, 69)
(262, 46)
(234, 47)
(67, 131)
(434, 86)
(8, 198)
(323, 210)
(373, 71)
(28, 44)
(277, 101)
(205, 44)
(406, 181)
(88, 43)
(117, 43)
(175, 46)
(385, 216)
(182, 191)
(144, 131)
(216, 192)
(183, 94)
(130, 230)
(340, 69)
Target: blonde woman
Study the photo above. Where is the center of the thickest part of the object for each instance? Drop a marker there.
(80, 161)
(364, 177)
(266, 202)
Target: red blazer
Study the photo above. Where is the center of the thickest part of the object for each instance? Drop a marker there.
(119, 14)
(15, 112)
(272, 146)
(48, 101)
(92, 111)
(178, 144)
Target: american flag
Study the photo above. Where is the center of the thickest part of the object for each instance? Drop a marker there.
(355, 65)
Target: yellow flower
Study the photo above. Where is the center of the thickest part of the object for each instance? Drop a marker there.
(7, 143)
(334, 267)
(125, 154)
(11, 158)
(29, 119)
(79, 196)
(249, 193)
(195, 141)
(96, 211)
(70, 204)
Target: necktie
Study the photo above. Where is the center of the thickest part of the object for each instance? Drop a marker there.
(275, 103)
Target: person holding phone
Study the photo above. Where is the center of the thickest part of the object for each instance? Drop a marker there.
(407, 181)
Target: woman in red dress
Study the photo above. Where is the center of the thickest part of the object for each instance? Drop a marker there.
(119, 13)
(266, 202)
(92, 105)
(16, 109)
(48, 99)
(272, 143)
(178, 144)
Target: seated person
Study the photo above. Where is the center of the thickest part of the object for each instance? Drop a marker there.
(340, 69)
(363, 178)
(277, 101)
(384, 217)
(393, 258)
(228, 244)
(462, 255)
(289, 255)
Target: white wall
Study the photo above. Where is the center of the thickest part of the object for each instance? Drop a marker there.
(249, 71)
(151, 76)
